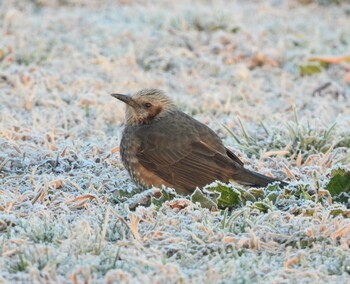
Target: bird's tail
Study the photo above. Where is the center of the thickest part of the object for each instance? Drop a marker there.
(248, 177)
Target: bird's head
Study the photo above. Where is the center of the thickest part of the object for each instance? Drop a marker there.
(146, 106)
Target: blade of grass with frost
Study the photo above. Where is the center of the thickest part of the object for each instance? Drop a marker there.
(247, 149)
(296, 118)
(300, 131)
(264, 127)
(317, 183)
(328, 132)
(343, 161)
(240, 144)
(292, 132)
(308, 128)
(233, 218)
(223, 222)
(245, 134)
(232, 134)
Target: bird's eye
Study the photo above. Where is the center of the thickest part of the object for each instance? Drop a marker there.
(147, 105)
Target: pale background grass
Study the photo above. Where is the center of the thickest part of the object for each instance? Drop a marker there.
(59, 129)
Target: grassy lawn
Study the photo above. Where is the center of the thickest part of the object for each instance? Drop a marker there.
(272, 78)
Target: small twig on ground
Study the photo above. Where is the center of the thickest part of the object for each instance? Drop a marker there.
(319, 89)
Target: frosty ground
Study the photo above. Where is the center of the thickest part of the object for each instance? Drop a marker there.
(242, 68)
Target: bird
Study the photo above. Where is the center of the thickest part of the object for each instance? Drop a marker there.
(163, 146)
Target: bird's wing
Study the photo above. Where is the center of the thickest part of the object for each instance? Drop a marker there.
(233, 156)
(214, 141)
(187, 163)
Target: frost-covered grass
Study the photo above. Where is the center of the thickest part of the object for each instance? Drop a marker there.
(232, 66)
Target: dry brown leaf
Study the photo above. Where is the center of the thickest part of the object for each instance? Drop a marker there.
(197, 239)
(64, 152)
(157, 234)
(42, 195)
(9, 253)
(288, 171)
(57, 196)
(331, 59)
(75, 185)
(327, 158)
(28, 105)
(17, 149)
(308, 161)
(9, 208)
(179, 204)
(74, 278)
(292, 261)
(87, 101)
(299, 159)
(347, 78)
(229, 240)
(134, 222)
(243, 243)
(322, 191)
(344, 231)
(84, 197)
(36, 197)
(254, 241)
(309, 233)
(53, 147)
(157, 193)
(139, 200)
(272, 153)
(260, 59)
(18, 241)
(203, 229)
(58, 184)
(77, 206)
(25, 80)
(322, 228)
(115, 149)
(104, 230)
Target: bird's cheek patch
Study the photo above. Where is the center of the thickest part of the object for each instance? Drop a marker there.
(154, 112)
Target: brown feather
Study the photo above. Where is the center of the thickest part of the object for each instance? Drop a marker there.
(163, 146)
(187, 162)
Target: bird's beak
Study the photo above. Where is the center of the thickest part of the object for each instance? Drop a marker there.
(126, 99)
